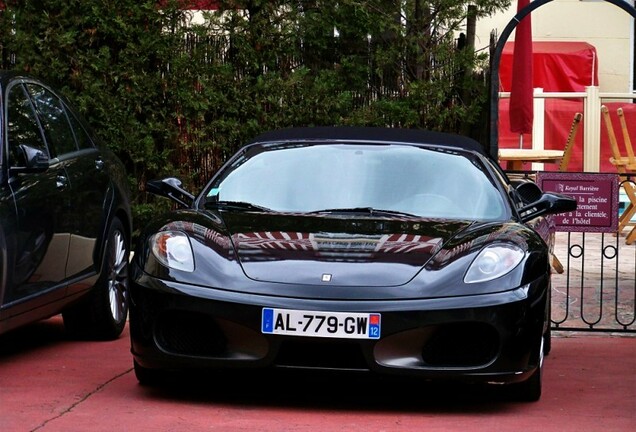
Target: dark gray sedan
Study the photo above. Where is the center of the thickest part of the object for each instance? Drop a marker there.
(65, 220)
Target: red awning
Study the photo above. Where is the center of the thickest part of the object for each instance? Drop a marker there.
(557, 66)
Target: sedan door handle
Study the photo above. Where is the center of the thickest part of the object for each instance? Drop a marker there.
(61, 181)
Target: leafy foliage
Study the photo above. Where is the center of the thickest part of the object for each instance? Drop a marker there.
(177, 97)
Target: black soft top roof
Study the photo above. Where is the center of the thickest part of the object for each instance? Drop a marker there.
(374, 134)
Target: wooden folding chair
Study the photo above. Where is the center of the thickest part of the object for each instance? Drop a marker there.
(627, 142)
(569, 143)
(631, 164)
(624, 165)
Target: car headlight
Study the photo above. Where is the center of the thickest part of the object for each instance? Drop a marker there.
(494, 261)
(173, 249)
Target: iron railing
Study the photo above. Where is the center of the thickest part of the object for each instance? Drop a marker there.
(597, 289)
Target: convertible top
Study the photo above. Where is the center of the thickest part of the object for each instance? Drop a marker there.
(373, 134)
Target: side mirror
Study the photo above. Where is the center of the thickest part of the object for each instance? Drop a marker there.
(170, 187)
(548, 203)
(34, 159)
(528, 191)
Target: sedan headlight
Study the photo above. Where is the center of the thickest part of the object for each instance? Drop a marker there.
(494, 261)
(173, 249)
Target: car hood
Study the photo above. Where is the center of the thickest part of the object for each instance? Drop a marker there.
(326, 257)
(342, 250)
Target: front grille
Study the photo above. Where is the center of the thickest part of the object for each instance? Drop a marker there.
(461, 345)
(189, 333)
(321, 354)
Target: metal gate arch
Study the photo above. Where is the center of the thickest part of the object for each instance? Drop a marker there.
(598, 266)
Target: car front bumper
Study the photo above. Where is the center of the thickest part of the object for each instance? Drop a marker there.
(482, 338)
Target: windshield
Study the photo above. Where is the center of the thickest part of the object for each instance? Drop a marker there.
(423, 182)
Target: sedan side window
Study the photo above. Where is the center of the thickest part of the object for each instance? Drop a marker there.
(22, 127)
(54, 120)
(83, 140)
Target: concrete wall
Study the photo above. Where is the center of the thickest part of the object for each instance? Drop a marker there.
(599, 23)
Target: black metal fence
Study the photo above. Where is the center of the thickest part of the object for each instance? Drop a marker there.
(597, 290)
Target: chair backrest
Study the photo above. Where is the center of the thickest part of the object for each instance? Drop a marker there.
(569, 144)
(624, 165)
(617, 157)
(626, 140)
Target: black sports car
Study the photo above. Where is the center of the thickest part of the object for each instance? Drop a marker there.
(383, 250)
(65, 219)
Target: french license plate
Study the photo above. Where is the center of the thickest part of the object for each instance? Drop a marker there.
(321, 324)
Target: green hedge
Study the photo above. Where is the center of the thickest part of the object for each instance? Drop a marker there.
(177, 98)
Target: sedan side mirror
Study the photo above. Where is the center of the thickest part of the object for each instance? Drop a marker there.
(34, 159)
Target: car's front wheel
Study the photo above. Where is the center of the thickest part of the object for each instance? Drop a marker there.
(547, 336)
(149, 377)
(103, 313)
(530, 389)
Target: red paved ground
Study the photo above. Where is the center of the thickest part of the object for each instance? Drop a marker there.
(50, 384)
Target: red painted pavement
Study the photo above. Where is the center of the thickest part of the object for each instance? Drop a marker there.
(48, 384)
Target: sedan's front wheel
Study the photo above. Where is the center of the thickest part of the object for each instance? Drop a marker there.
(103, 313)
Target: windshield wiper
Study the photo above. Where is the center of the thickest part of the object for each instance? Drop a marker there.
(364, 210)
(239, 205)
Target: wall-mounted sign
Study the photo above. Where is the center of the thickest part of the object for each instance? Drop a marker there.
(596, 195)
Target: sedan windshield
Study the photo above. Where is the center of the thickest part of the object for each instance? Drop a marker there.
(361, 179)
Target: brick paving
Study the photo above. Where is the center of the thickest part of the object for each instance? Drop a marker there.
(51, 384)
